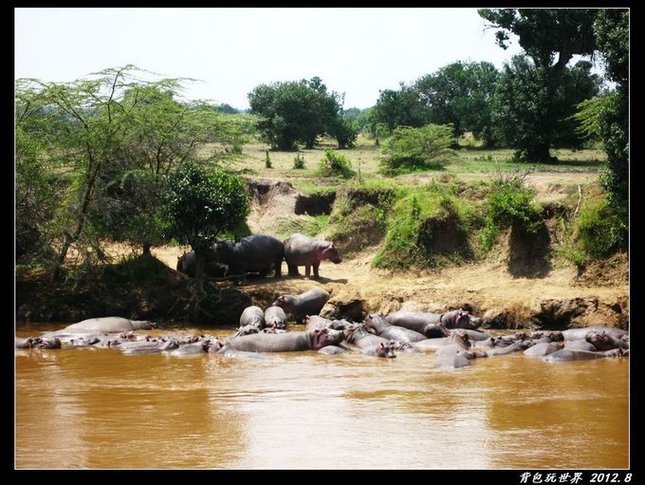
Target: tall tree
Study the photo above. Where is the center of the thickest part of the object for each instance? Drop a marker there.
(400, 108)
(461, 94)
(531, 114)
(612, 35)
(550, 37)
(294, 111)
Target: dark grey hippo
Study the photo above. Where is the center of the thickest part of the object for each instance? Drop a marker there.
(388, 331)
(103, 325)
(186, 264)
(579, 345)
(383, 349)
(543, 348)
(300, 250)
(308, 303)
(333, 349)
(252, 254)
(285, 342)
(430, 344)
(455, 352)
(251, 321)
(275, 317)
(313, 322)
(603, 341)
(581, 333)
(370, 344)
(426, 323)
(38, 343)
(565, 355)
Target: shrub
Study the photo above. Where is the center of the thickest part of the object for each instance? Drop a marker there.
(298, 162)
(409, 149)
(510, 204)
(334, 164)
(601, 229)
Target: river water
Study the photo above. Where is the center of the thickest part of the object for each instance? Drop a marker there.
(97, 408)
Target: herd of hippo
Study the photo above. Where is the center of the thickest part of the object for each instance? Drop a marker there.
(453, 336)
(262, 254)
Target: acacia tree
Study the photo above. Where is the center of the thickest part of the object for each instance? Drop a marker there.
(294, 111)
(107, 141)
(550, 37)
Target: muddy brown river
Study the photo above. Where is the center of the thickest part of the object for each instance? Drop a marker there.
(97, 408)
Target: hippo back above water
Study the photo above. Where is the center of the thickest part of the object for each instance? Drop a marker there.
(251, 254)
(308, 303)
(105, 325)
(300, 250)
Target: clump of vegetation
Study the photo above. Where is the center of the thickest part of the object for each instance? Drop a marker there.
(601, 229)
(334, 164)
(410, 149)
(298, 162)
(510, 203)
(308, 225)
(267, 159)
(425, 224)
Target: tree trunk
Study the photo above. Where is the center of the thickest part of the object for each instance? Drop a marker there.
(146, 249)
(539, 154)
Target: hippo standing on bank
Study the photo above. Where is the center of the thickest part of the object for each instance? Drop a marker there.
(308, 303)
(187, 262)
(251, 254)
(285, 342)
(301, 250)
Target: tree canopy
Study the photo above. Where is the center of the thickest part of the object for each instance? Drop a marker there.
(295, 112)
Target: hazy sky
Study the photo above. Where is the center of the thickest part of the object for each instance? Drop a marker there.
(355, 51)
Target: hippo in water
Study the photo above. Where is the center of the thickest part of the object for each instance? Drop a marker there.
(285, 342)
(301, 250)
(251, 321)
(275, 317)
(252, 254)
(603, 341)
(581, 333)
(308, 303)
(103, 325)
(392, 332)
(454, 352)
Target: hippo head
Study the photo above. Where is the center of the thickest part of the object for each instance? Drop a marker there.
(285, 302)
(326, 336)
(385, 350)
(600, 340)
(460, 338)
(331, 253)
(464, 319)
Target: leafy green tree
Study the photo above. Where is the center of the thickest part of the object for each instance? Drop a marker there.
(198, 206)
(611, 29)
(400, 108)
(550, 37)
(294, 111)
(107, 141)
(461, 94)
(345, 130)
(417, 148)
(532, 113)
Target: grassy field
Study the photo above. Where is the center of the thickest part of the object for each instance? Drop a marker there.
(471, 163)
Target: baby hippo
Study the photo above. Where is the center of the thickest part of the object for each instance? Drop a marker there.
(301, 250)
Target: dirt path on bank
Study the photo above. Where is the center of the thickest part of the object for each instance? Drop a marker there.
(486, 288)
